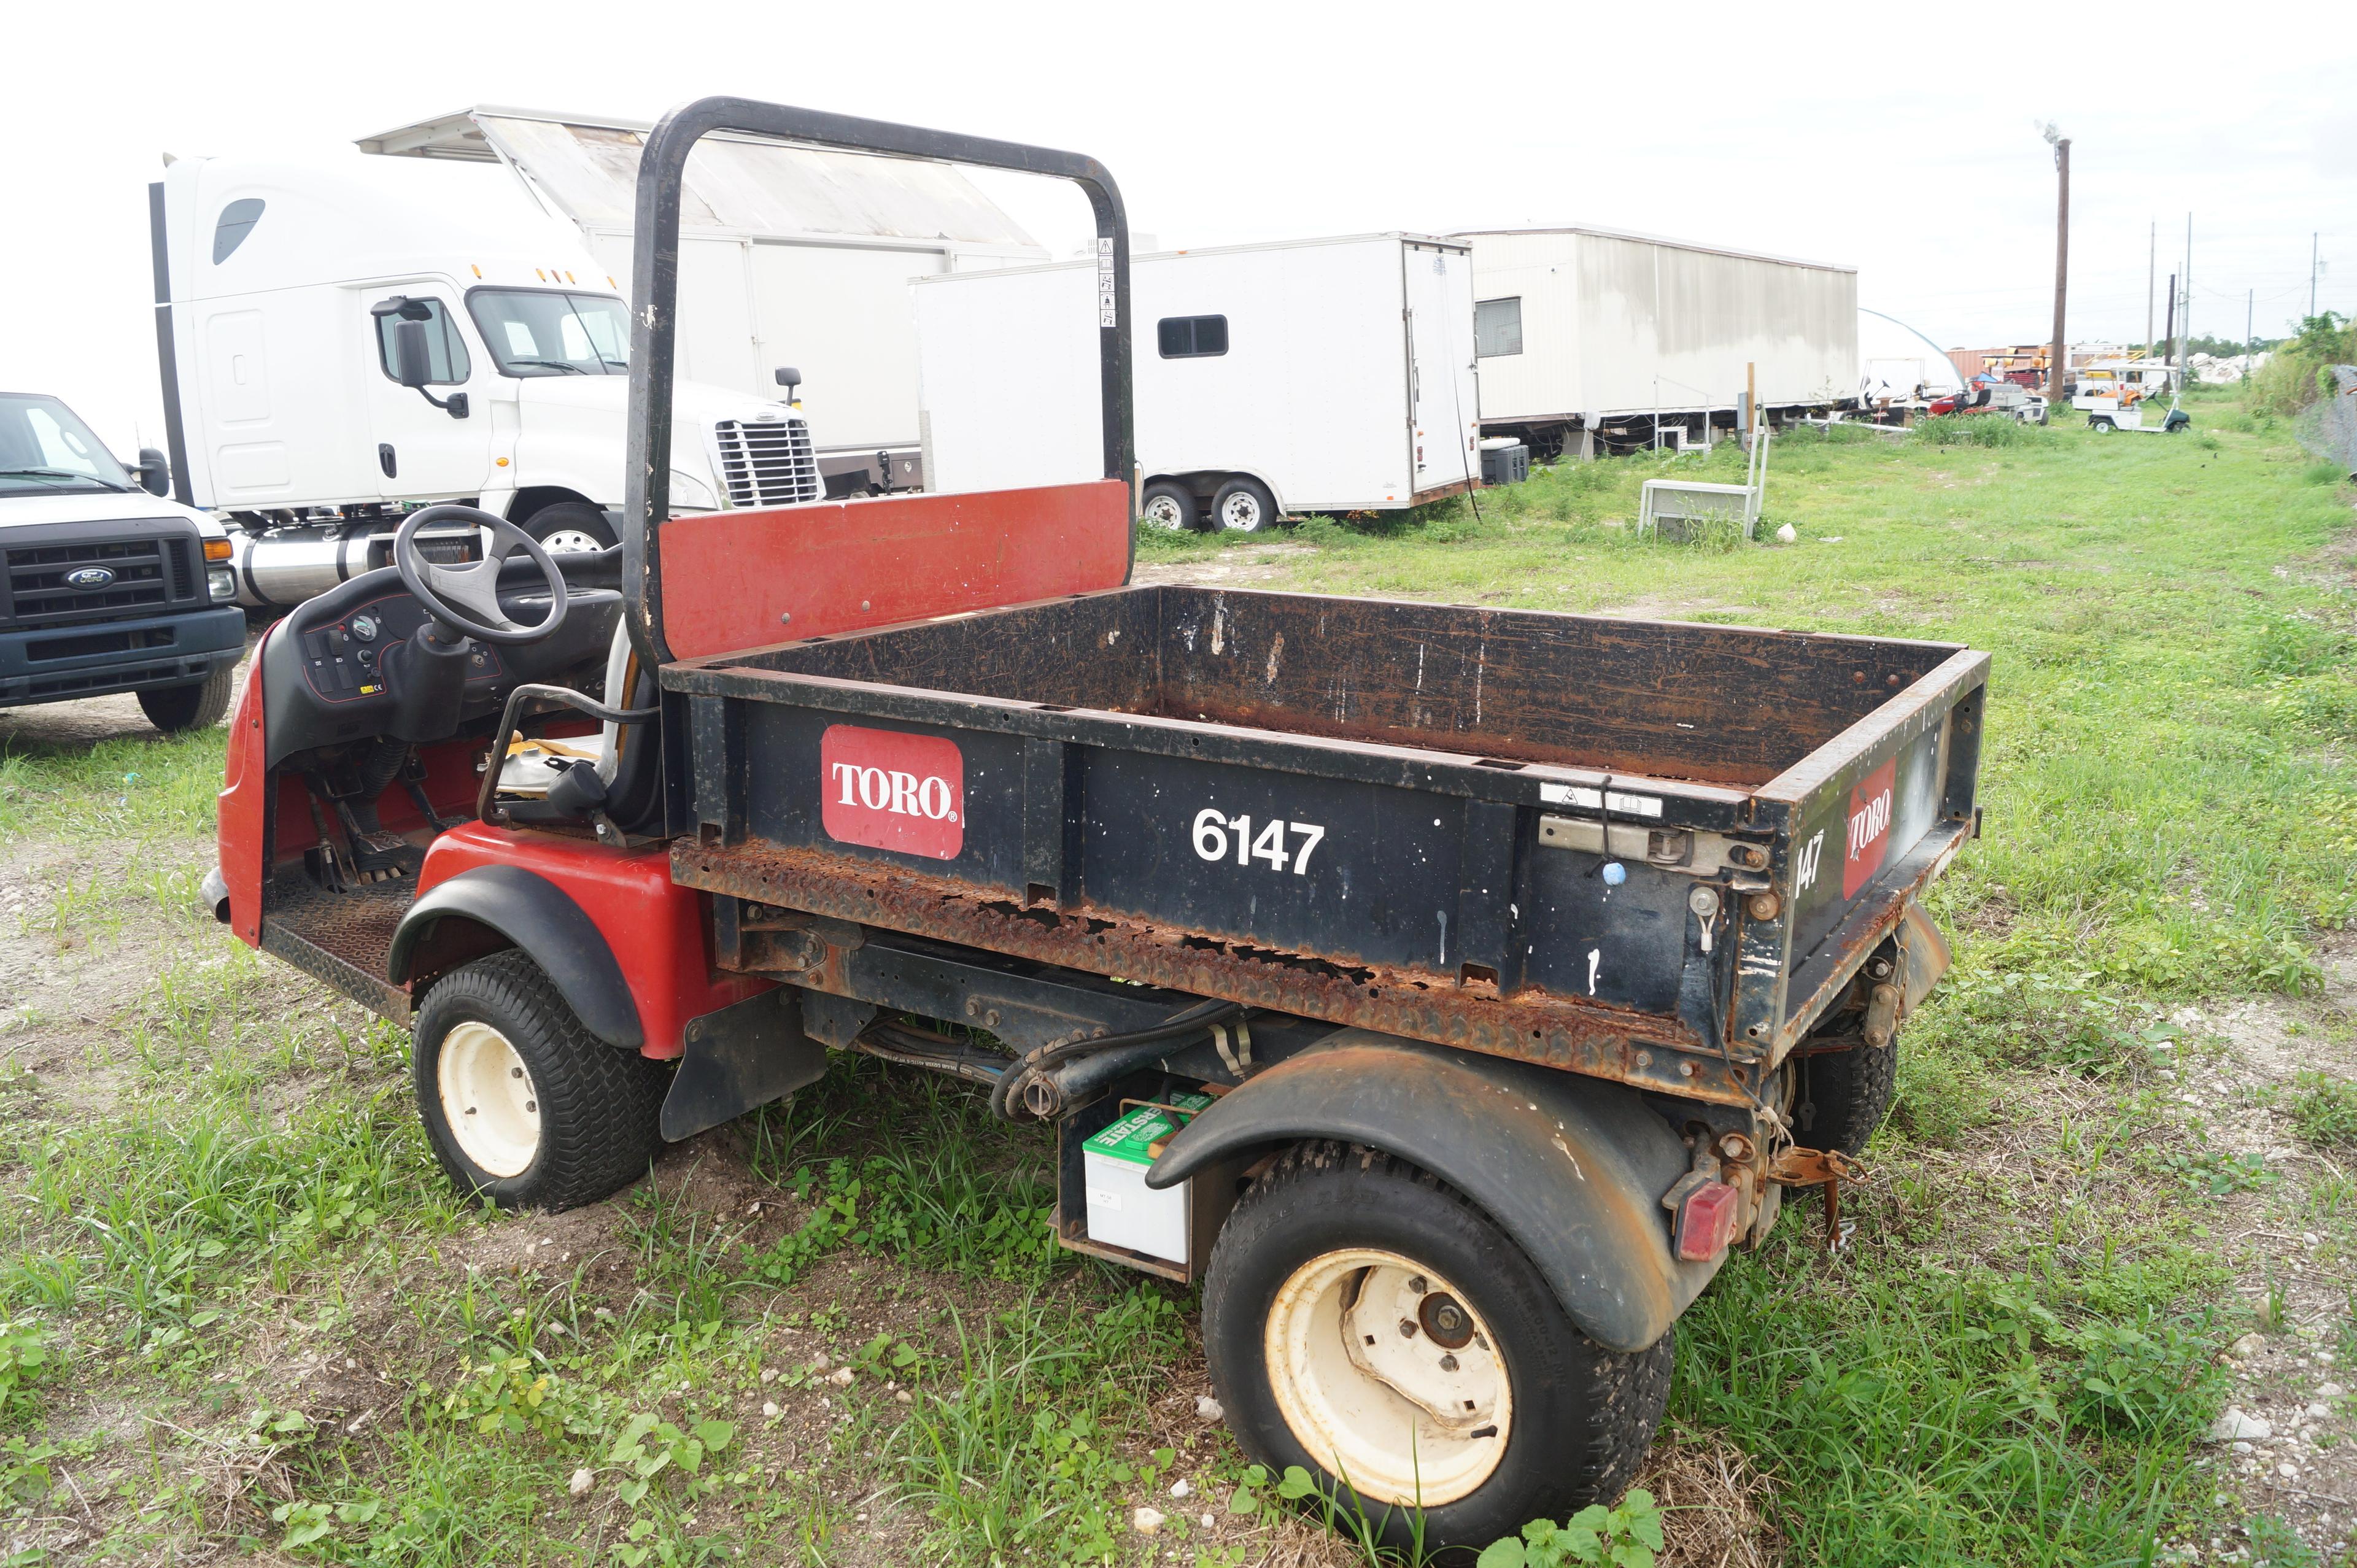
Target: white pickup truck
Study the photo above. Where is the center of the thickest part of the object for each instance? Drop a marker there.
(105, 586)
(341, 345)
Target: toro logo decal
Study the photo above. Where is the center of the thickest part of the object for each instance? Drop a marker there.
(892, 791)
(1869, 828)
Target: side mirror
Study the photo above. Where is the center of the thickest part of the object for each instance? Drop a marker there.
(412, 357)
(790, 379)
(155, 472)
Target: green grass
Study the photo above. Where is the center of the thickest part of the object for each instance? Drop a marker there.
(225, 1183)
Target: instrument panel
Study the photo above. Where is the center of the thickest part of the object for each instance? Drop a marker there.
(343, 660)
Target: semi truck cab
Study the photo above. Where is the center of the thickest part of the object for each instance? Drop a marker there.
(341, 346)
(105, 586)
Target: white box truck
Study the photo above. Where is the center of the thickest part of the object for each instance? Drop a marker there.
(794, 256)
(1298, 376)
(283, 293)
(1591, 338)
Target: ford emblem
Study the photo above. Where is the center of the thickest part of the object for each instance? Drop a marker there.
(91, 578)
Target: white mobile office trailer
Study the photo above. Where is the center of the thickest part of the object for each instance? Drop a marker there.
(788, 257)
(285, 295)
(1305, 375)
(1591, 337)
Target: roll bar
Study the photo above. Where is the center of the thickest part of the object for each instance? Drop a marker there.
(654, 298)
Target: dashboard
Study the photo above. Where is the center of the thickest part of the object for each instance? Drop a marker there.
(334, 670)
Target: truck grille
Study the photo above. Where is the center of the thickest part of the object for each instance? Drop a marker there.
(151, 573)
(767, 464)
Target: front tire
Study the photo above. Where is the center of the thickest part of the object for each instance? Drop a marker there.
(570, 528)
(174, 709)
(1170, 506)
(1365, 1321)
(522, 1105)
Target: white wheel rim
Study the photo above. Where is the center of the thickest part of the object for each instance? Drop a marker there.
(1402, 1418)
(1163, 513)
(570, 541)
(1241, 511)
(489, 1102)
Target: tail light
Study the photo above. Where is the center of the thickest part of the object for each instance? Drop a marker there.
(1706, 1221)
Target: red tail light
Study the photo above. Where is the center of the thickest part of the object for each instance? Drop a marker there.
(1706, 1221)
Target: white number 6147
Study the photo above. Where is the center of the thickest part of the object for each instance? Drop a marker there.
(1215, 832)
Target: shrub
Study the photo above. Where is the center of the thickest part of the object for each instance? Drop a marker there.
(1981, 430)
(2324, 1109)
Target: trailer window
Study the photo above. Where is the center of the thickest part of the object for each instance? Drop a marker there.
(1497, 328)
(1192, 336)
(446, 350)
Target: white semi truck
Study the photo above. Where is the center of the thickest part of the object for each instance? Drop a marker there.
(788, 255)
(341, 345)
(1330, 375)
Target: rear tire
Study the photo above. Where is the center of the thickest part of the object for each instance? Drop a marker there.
(174, 709)
(1845, 1095)
(1332, 1228)
(1170, 506)
(571, 527)
(522, 1105)
(1244, 505)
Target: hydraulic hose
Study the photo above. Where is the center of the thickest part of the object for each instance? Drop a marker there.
(1011, 1097)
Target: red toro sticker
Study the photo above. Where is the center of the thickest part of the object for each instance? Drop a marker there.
(1869, 828)
(891, 791)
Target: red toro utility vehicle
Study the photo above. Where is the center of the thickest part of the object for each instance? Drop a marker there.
(1446, 990)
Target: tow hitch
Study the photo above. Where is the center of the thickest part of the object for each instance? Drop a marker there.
(1826, 1168)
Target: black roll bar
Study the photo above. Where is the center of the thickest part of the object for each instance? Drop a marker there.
(654, 299)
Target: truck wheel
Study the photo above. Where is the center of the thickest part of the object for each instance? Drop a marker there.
(521, 1104)
(574, 526)
(1365, 1321)
(173, 709)
(1845, 1094)
(1170, 506)
(1243, 506)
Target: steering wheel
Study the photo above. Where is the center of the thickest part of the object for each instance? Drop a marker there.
(474, 588)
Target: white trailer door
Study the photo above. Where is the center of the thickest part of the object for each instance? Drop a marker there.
(1444, 412)
(842, 316)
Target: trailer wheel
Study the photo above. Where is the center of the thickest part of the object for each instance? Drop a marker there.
(1170, 506)
(1845, 1094)
(571, 527)
(1365, 1321)
(1243, 506)
(522, 1105)
(173, 709)
(2100, 426)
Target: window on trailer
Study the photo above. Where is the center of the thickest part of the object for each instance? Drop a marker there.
(1497, 328)
(1192, 336)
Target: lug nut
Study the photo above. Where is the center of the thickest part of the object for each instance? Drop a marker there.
(1407, 1328)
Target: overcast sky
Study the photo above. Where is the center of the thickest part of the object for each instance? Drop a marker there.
(1899, 138)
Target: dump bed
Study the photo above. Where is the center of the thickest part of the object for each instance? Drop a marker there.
(1653, 850)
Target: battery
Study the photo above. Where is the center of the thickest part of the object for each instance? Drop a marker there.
(1122, 1210)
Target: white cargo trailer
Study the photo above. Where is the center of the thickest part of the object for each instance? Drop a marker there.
(1592, 337)
(788, 257)
(1303, 375)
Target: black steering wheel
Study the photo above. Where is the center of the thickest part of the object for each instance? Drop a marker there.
(474, 588)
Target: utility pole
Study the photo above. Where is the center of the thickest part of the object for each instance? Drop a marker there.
(2185, 321)
(2250, 304)
(2151, 265)
(2312, 274)
(2172, 338)
(2059, 355)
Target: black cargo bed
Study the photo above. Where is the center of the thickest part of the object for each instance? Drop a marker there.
(1444, 783)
